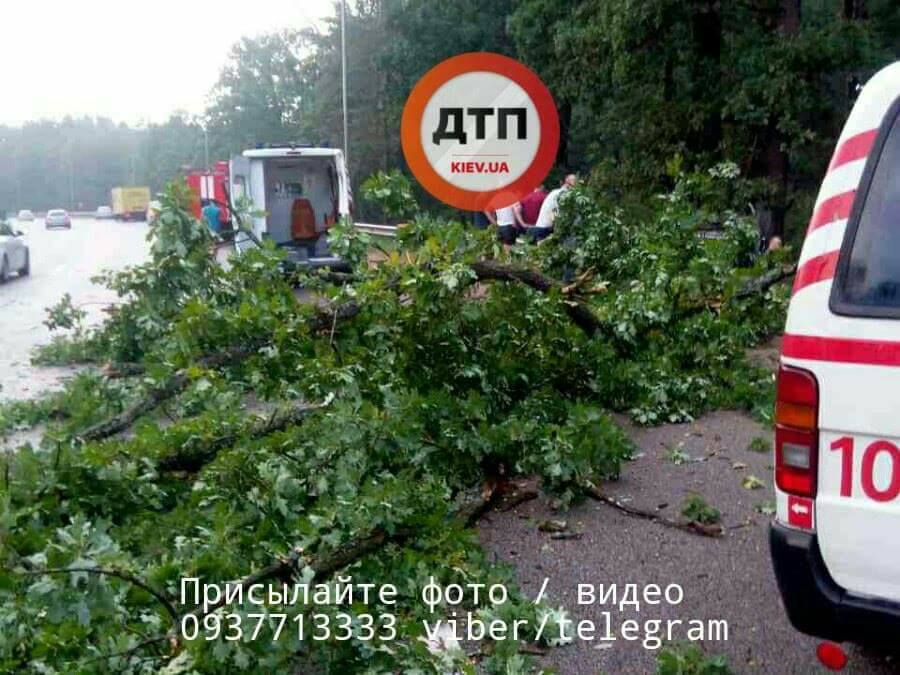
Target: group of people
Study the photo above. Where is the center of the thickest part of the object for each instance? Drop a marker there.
(532, 218)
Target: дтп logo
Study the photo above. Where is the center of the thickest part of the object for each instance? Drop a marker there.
(480, 131)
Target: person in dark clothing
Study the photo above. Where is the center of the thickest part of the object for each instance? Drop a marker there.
(481, 220)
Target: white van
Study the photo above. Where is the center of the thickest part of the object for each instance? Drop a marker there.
(836, 539)
(299, 192)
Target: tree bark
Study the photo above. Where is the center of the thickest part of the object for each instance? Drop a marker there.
(580, 314)
(565, 124)
(706, 29)
(856, 10)
(775, 158)
(324, 320)
(171, 387)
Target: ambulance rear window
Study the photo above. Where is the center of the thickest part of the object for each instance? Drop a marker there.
(868, 281)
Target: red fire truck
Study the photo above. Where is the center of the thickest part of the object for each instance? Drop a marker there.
(211, 184)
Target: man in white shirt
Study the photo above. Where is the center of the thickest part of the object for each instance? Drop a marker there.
(547, 215)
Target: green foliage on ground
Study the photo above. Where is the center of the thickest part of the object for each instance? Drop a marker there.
(759, 444)
(676, 324)
(696, 510)
(690, 660)
(428, 386)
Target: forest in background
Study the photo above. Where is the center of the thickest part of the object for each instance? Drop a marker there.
(642, 88)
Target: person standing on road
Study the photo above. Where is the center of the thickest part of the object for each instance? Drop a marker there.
(507, 224)
(212, 216)
(543, 228)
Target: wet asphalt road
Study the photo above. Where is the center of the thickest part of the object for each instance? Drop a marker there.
(61, 261)
(727, 579)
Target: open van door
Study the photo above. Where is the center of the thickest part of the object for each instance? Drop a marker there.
(345, 195)
(240, 186)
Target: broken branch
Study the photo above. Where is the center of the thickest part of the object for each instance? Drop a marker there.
(687, 526)
(119, 574)
(192, 459)
(581, 314)
(173, 386)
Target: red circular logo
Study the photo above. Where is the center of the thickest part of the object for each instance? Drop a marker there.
(480, 131)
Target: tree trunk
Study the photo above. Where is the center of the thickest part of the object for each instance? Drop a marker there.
(856, 10)
(706, 30)
(853, 10)
(565, 123)
(776, 164)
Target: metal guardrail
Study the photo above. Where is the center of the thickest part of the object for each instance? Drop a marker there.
(378, 230)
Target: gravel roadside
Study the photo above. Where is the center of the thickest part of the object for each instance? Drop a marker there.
(729, 578)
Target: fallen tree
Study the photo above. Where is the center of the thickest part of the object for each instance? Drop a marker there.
(426, 389)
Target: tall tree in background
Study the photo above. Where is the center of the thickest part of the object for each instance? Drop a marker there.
(390, 45)
(263, 92)
(69, 164)
(169, 148)
(637, 84)
(756, 82)
(535, 27)
(373, 136)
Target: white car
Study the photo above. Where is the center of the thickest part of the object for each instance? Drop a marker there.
(104, 213)
(14, 256)
(25, 216)
(834, 543)
(58, 218)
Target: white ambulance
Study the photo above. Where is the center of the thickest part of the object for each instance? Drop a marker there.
(836, 540)
(298, 192)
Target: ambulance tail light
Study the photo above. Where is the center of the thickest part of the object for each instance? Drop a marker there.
(796, 431)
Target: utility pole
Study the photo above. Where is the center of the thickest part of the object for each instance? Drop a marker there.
(13, 150)
(206, 147)
(344, 79)
(15, 157)
(71, 178)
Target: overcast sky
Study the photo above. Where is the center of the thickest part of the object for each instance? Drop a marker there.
(130, 60)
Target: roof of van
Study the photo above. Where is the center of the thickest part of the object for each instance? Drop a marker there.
(288, 151)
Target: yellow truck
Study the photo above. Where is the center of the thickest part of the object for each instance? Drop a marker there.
(130, 203)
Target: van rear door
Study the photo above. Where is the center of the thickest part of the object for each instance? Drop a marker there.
(847, 334)
(240, 187)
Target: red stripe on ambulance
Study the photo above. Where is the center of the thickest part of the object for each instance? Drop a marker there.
(820, 268)
(841, 350)
(854, 148)
(833, 208)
